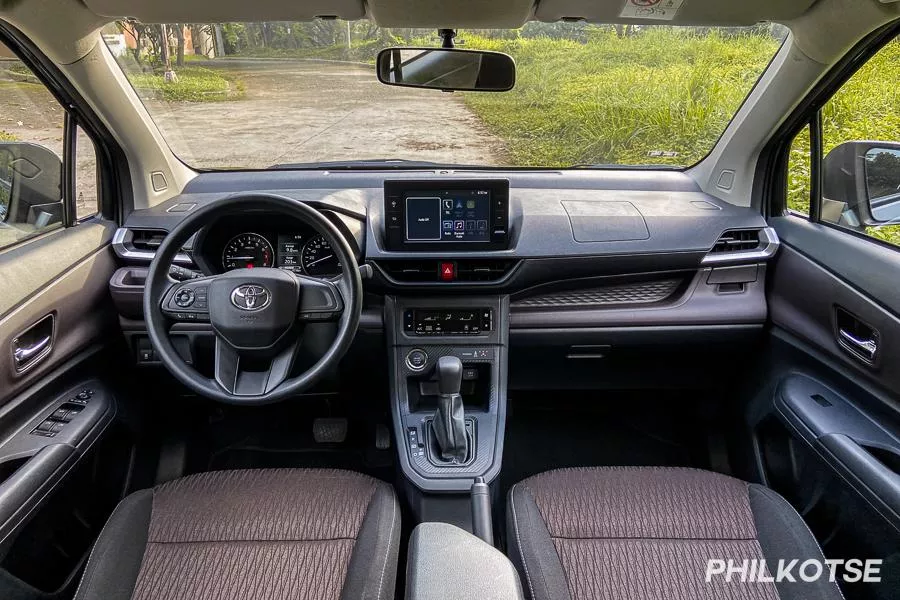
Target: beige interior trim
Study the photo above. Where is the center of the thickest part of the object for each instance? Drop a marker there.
(499, 14)
(221, 11)
(805, 58)
(691, 12)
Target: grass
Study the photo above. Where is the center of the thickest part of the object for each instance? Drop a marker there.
(617, 101)
(195, 84)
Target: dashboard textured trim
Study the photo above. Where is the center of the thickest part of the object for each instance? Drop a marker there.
(644, 292)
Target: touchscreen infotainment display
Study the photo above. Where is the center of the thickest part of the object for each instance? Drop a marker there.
(448, 215)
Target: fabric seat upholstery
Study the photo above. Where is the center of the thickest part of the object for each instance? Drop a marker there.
(648, 534)
(250, 535)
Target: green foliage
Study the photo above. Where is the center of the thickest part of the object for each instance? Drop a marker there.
(799, 173)
(5, 136)
(195, 84)
(616, 100)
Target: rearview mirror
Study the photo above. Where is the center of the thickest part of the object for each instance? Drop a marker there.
(30, 185)
(861, 184)
(447, 69)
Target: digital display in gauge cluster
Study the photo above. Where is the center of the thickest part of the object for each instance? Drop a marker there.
(289, 248)
(307, 255)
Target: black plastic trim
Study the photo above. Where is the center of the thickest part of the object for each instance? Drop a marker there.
(839, 432)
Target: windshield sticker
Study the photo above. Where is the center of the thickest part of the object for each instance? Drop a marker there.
(659, 10)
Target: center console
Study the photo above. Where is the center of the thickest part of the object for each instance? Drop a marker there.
(447, 348)
(430, 338)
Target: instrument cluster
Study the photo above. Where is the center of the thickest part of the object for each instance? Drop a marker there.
(249, 243)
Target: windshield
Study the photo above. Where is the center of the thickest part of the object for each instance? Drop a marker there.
(258, 95)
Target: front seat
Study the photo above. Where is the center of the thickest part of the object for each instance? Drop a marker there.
(249, 535)
(618, 533)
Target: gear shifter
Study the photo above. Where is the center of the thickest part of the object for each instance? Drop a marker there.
(449, 424)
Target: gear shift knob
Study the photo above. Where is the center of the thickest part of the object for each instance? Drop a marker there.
(449, 375)
(449, 422)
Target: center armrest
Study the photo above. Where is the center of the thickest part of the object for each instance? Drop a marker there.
(446, 562)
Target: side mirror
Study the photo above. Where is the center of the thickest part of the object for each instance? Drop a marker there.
(447, 69)
(30, 185)
(861, 184)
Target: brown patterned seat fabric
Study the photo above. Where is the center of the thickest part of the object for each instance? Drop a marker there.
(647, 534)
(260, 534)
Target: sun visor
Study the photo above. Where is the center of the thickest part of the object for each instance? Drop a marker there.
(674, 12)
(476, 14)
(221, 11)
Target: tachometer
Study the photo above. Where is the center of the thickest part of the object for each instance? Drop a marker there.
(246, 251)
(319, 259)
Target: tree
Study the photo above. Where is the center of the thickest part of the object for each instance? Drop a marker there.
(179, 36)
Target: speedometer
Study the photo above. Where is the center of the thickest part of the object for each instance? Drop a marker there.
(246, 251)
(319, 259)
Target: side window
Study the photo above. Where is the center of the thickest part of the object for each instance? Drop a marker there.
(86, 185)
(32, 154)
(844, 168)
(861, 150)
(799, 181)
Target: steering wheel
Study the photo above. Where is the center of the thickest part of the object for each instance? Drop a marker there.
(258, 315)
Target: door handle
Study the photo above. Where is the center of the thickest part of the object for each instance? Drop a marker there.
(33, 344)
(867, 348)
(24, 354)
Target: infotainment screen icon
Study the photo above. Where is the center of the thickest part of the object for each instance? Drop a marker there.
(423, 219)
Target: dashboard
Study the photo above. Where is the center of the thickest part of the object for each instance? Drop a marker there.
(424, 232)
(265, 240)
(590, 265)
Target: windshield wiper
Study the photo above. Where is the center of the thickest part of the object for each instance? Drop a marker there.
(376, 163)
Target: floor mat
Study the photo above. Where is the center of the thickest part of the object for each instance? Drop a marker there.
(544, 433)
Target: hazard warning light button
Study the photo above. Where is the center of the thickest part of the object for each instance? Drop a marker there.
(447, 271)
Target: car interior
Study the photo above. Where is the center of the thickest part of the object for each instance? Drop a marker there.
(402, 378)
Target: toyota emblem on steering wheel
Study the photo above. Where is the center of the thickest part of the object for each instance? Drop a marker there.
(250, 297)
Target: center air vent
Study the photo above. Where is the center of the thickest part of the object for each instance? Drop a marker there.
(739, 240)
(428, 271)
(743, 245)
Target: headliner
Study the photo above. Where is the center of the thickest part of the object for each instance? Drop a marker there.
(486, 14)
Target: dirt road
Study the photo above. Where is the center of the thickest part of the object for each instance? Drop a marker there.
(302, 111)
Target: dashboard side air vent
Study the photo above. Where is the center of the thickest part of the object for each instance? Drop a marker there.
(140, 245)
(147, 239)
(743, 245)
(429, 271)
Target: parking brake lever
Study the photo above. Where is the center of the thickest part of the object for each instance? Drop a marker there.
(482, 523)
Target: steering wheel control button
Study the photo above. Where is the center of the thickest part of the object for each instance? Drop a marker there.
(416, 360)
(184, 297)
